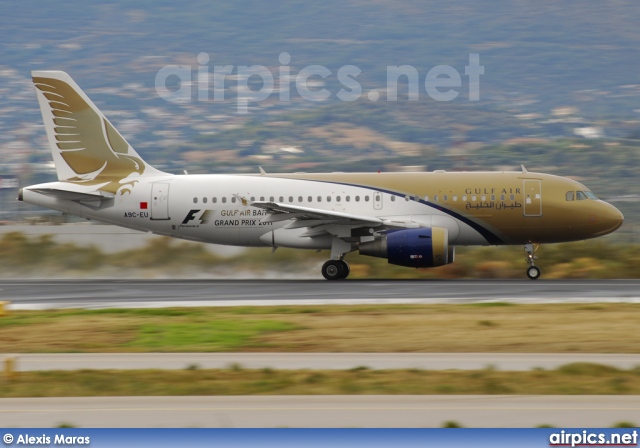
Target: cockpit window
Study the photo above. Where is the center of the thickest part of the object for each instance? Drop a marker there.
(581, 196)
(590, 195)
(570, 195)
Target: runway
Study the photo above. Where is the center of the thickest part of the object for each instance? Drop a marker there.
(332, 411)
(313, 411)
(327, 361)
(47, 294)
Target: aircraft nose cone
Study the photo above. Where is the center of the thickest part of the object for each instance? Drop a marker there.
(612, 217)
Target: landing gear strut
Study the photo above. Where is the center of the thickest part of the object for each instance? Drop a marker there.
(335, 270)
(533, 271)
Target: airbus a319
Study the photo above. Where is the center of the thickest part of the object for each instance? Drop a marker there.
(411, 219)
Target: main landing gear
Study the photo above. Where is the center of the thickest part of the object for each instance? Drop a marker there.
(533, 271)
(335, 270)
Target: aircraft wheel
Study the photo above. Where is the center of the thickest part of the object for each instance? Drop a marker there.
(533, 272)
(333, 270)
(346, 270)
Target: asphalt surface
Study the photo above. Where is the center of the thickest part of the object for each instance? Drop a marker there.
(328, 361)
(339, 411)
(314, 411)
(47, 294)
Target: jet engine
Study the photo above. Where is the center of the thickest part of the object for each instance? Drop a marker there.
(418, 248)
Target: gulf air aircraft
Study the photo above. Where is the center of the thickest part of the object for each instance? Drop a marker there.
(411, 219)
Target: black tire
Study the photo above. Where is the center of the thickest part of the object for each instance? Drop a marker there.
(346, 270)
(533, 272)
(333, 270)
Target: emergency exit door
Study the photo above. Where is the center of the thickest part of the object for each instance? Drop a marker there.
(377, 200)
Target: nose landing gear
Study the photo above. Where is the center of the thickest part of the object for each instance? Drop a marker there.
(533, 271)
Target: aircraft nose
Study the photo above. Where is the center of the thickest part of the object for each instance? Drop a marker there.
(612, 218)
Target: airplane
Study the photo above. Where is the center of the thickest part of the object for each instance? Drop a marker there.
(411, 219)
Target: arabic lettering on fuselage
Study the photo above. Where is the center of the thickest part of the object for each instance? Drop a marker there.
(497, 205)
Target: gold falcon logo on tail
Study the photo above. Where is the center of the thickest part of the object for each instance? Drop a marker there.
(87, 149)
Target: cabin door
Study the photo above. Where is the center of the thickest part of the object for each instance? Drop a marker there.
(160, 200)
(532, 192)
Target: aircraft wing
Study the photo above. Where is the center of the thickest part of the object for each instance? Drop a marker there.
(283, 212)
(321, 222)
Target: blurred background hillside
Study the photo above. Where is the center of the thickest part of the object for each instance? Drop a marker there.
(560, 91)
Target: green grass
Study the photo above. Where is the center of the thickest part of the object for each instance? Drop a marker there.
(586, 380)
(216, 335)
(535, 328)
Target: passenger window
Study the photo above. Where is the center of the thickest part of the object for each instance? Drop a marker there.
(224, 200)
(570, 196)
(253, 199)
(271, 199)
(435, 198)
(281, 199)
(357, 198)
(366, 198)
(290, 198)
(348, 198)
(310, 199)
(445, 198)
(204, 200)
(328, 198)
(581, 196)
(455, 198)
(319, 198)
(426, 198)
(233, 199)
(261, 198)
(393, 199)
(195, 200)
(337, 198)
(214, 200)
(299, 198)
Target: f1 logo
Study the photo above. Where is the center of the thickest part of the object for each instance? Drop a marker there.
(190, 216)
(206, 216)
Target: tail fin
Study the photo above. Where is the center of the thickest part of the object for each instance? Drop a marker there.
(86, 148)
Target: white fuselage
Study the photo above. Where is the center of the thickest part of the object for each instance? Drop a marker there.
(210, 208)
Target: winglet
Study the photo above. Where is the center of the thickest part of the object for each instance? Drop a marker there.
(524, 170)
(262, 171)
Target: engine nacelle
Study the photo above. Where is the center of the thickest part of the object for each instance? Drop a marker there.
(417, 248)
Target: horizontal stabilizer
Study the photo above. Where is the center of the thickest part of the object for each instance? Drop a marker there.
(74, 195)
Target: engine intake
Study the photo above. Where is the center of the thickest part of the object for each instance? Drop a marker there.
(418, 248)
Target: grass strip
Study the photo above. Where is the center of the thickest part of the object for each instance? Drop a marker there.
(485, 327)
(570, 379)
